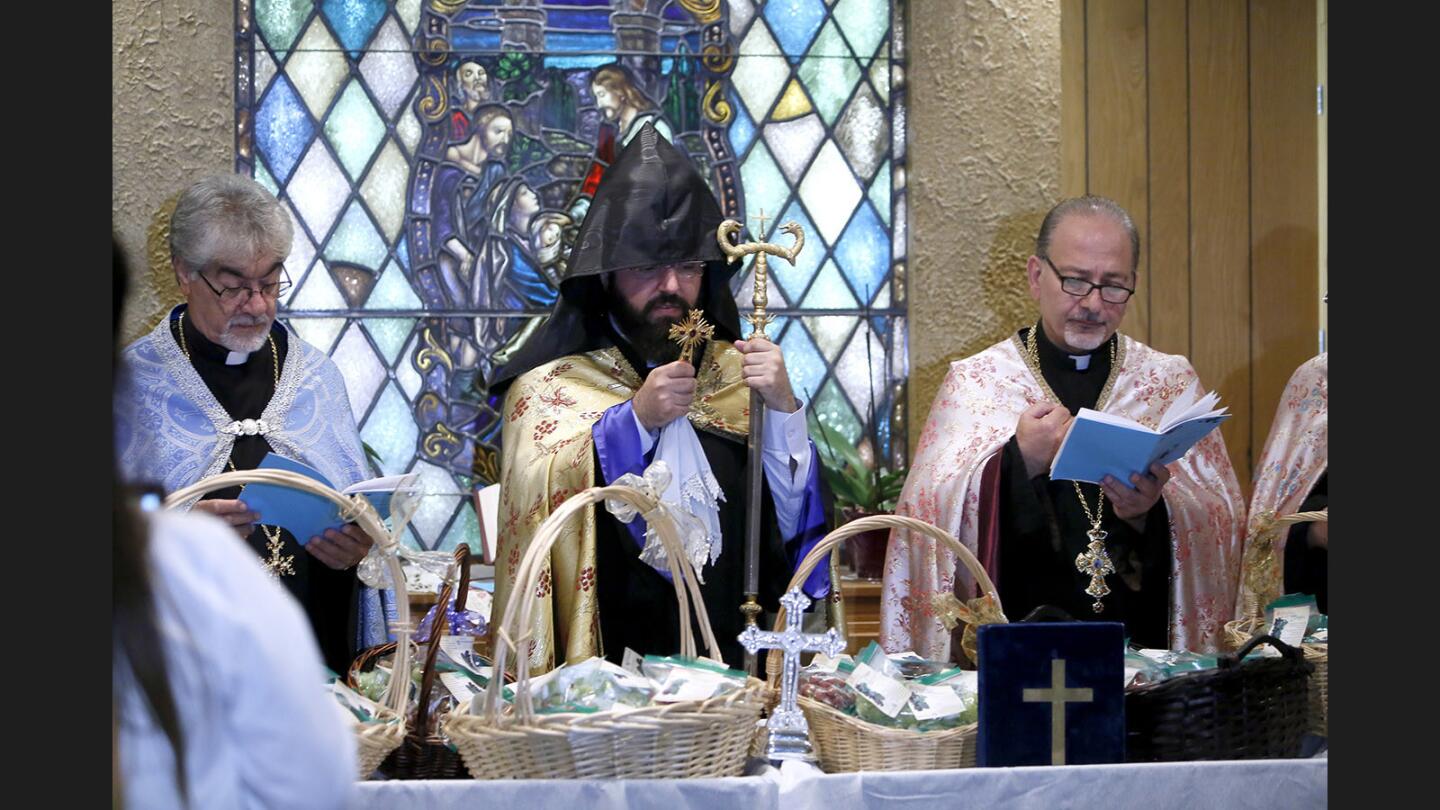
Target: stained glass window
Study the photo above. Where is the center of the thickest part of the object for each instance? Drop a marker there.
(437, 157)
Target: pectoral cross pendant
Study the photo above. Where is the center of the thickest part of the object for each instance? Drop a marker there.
(1096, 563)
(278, 565)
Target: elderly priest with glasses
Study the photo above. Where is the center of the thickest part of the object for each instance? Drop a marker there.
(220, 383)
(1172, 533)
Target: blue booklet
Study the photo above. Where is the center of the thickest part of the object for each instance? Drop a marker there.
(306, 515)
(1100, 444)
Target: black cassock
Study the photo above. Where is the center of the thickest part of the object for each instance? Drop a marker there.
(243, 390)
(1043, 528)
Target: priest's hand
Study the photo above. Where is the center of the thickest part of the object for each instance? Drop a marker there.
(340, 548)
(1041, 428)
(763, 369)
(235, 513)
(665, 395)
(1134, 502)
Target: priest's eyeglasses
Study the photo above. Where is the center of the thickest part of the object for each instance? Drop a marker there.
(1079, 287)
(237, 296)
(685, 271)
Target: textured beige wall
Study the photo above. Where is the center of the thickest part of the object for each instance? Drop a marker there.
(984, 158)
(173, 98)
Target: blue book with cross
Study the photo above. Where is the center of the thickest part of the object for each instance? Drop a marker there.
(1051, 693)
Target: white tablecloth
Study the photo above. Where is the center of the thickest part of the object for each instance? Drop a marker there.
(1269, 784)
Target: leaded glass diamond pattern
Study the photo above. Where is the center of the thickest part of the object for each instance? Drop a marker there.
(317, 67)
(389, 69)
(282, 129)
(765, 186)
(384, 190)
(318, 190)
(353, 20)
(280, 21)
(794, 23)
(354, 129)
(356, 241)
(829, 72)
(390, 431)
(829, 191)
(796, 279)
(362, 370)
(760, 71)
(792, 143)
(335, 85)
(863, 132)
(864, 23)
(864, 252)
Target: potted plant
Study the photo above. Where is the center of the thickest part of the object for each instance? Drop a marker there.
(861, 487)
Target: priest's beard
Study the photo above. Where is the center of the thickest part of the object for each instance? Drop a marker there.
(245, 343)
(1085, 340)
(649, 336)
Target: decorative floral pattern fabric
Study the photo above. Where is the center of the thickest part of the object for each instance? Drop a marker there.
(974, 415)
(1296, 454)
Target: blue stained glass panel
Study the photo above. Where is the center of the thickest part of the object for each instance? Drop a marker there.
(794, 280)
(794, 23)
(864, 252)
(283, 128)
(803, 362)
(354, 21)
(468, 39)
(742, 129)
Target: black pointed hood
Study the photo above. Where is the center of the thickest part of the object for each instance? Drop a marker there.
(652, 207)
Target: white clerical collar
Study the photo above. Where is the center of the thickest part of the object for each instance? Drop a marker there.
(1082, 361)
(236, 358)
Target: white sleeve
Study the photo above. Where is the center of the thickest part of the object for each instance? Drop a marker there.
(787, 464)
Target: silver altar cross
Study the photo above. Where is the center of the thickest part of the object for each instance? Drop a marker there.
(1057, 696)
(789, 734)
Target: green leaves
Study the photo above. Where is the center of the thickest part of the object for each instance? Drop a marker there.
(854, 482)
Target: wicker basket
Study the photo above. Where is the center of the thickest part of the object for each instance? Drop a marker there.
(1261, 591)
(844, 743)
(1253, 709)
(377, 739)
(421, 755)
(709, 738)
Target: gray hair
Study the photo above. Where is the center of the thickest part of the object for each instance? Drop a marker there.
(228, 215)
(1089, 205)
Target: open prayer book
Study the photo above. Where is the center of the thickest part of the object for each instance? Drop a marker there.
(1100, 444)
(305, 515)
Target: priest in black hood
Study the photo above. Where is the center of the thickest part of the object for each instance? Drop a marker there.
(598, 392)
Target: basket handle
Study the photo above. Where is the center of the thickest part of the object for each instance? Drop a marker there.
(1291, 654)
(462, 559)
(355, 509)
(865, 524)
(514, 635)
(427, 677)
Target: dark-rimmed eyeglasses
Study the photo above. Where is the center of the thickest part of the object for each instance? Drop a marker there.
(1079, 287)
(235, 296)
